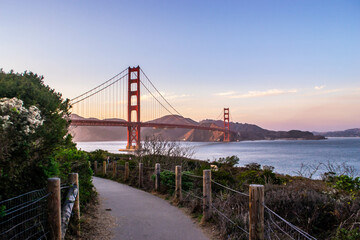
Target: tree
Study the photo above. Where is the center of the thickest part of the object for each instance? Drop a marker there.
(26, 158)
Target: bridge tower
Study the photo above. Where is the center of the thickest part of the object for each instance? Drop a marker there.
(133, 130)
(226, 125)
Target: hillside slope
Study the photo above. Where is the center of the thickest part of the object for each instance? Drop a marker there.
(240, 131)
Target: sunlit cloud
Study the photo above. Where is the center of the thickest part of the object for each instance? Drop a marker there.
(333, 90)
(228, 93)
(270, 92)
(319, 87)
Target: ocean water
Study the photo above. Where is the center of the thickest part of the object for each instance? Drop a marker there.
(285, 155)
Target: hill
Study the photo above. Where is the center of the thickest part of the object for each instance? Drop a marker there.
(240, 131)
(354, 132)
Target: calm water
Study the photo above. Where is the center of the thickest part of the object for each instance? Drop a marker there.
(285, 155)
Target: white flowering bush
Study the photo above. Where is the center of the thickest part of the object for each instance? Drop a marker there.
(14, 116)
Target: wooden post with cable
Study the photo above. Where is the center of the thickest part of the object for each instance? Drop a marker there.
(157, 176)
(256, 212)
(114, 169)
(54, 208)
(178, 194)
(74, 179)
(126, 175)
(207, 198)
(95, 167)
(141, 175)
(104, 168)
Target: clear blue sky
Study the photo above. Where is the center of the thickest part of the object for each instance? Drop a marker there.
(279, 64)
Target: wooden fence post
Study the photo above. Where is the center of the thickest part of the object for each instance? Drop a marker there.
(157, 176)
(74, 179)
(95, 167)
(54, 208)
(126, 171)
(114, 169)
(256, 212)
(207, 198)
(104, 168)
(141, 175)
(178, 193)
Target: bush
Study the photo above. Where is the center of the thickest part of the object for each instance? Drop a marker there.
(344, 234)
(75, 161)
(26, 153)
(347, 183)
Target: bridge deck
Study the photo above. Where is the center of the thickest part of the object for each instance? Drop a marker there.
(94, 122)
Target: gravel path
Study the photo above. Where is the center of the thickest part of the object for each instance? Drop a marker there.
(141, 216)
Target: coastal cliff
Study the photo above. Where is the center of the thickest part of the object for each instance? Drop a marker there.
(240, 131)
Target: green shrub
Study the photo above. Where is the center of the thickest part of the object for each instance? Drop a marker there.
(266, 176)
(23, 156)
(167, 178)
(230, 161)
(75, 161)
(344, 234)
(347, 183)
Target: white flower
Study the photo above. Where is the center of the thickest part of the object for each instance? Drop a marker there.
(12, 108)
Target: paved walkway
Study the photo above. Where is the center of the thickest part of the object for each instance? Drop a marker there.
(142, 216)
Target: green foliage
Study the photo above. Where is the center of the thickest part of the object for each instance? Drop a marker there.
(2, 211)
(186, 181)
(75, 161)
(229, 161)
(98, 155)
(253, 166)
(256, 176)
(23, 157)
(347, 183)
(344, 234)
(167, 178)
(223, 177)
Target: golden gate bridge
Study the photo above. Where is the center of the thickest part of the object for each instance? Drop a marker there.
(118, 98)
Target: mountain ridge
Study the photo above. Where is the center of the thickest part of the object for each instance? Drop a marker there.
(352, 132)
(239, 131)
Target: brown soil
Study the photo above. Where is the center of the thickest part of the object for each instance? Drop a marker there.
(97, 222)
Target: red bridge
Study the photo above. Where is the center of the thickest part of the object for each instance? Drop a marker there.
(119, 98)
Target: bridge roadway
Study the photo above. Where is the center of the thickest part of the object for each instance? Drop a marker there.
(141, 215)
(96, 122)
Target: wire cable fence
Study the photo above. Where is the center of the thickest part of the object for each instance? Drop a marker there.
(24, 216)
(231, 211)
(230, 207)
(277, 227)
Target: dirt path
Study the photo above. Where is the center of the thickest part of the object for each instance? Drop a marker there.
(140, 215)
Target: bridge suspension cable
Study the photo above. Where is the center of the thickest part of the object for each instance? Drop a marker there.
(160, 93)
(99, 85)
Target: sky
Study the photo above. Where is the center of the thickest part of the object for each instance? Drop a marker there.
(279, 64)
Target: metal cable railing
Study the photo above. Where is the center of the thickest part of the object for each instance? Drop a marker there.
(24, 216)
(278, 227)
(234, 209)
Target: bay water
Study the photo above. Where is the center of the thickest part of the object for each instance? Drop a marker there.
(285, 155)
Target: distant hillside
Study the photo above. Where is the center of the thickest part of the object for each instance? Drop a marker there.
(354, 132)
(240, 131)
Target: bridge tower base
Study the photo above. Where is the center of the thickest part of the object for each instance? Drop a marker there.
(133, 131)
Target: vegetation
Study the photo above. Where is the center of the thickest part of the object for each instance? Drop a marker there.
(34, 137)
(326, 209)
